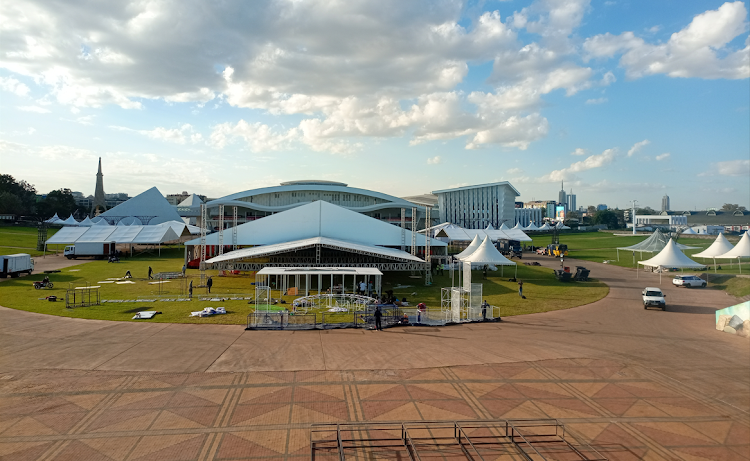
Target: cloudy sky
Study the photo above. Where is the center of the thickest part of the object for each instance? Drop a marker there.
(621, 99)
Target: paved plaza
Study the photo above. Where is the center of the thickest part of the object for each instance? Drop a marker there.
(634, 383)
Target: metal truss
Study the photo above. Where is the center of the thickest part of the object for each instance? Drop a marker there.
(541, 439)
(234, 229)
(221, 229)
(113, 220)
(202, 263)
(413, 231)
(403, 229)
(427, 250)
(249, 266)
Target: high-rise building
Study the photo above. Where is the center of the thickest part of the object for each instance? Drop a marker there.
(665, 203)
(476, 207)
(571, 201)
(562, 197)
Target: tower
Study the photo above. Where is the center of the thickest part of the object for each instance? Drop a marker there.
(562, 197)
(665, 203)
(100, 201)
(571, 201)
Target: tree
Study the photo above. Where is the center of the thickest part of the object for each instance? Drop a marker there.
(59, 201)
(607, 217)
(732, 207)
(645, 211)
(18, 196)
(591, 210)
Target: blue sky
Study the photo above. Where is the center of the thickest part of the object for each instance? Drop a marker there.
(620, 99)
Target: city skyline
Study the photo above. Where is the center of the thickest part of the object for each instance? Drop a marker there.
(622, 100)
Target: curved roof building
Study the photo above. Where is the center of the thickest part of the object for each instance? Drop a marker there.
(257, 203)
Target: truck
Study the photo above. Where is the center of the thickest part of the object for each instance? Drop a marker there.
(653, 296)
(99, 250)
(509, 248)
(15, 265)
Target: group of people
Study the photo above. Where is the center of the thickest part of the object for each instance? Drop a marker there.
(366, 288)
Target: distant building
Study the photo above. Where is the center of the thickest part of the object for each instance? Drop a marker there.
(476, 207)
(571, 201)
(665, 203)
(601, 207)
(519, 204)
(176, 199)
(655, 220)
(527, 215)
(562, 197)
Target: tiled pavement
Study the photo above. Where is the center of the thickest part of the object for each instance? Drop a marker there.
(626, 412)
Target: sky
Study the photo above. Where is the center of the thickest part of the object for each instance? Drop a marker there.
(620, 99)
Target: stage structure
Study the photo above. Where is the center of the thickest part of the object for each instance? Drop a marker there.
(427, 253)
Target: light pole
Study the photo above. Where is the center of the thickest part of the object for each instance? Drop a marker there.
(633, 217)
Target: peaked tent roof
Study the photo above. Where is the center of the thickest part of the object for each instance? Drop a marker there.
(284, 247)
(119, 234)
(545, 226)
(100, 221)
(655, 242)
(518, 226)
(671, 256)
(489, 227)
(318, 219)
(470, 249)
(503, 227)
(720, 246)
(531, 226)
(86, 222)
(71, 221)
(690, 231)
(486, 253)
(192, 200)
(741, 250)
(149, 205)
(68, 234)
(53, 219)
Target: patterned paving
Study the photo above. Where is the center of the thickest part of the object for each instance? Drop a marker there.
(626, 411)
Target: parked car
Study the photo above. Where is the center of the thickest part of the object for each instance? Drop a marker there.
(653, 297)
(688, 281)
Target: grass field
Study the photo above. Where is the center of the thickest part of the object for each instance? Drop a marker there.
(17, 239)
(543, 291)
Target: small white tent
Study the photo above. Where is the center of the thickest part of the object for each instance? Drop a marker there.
(689, 231)
(741, 250)
(470, 249)
(489, 227)
(545, 227)
(720, 246)
(503, 227)
(531, 227)
(518, 226)
(53, 219)
(86, 222)
(486, 253)
(71, 221)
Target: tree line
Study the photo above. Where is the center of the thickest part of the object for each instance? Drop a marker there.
(20, 198)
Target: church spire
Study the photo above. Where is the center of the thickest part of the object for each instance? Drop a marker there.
(100, 201)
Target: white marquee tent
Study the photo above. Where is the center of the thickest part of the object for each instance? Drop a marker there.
(545, 227)
(720, 246)
(741, 250)
(531, 227)
(470, 249)
(671, 257)
(149, 207)
(71, 221)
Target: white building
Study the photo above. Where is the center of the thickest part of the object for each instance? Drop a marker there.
(527, 215)
(670, 221)
(476, 207)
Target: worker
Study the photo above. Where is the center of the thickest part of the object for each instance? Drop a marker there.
(209, 283)
(150, 271)
(378, 314)
(485, 305)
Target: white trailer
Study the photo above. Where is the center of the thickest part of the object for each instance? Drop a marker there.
(98, 250)
(15, 265)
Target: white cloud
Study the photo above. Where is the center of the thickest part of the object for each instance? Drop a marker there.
(596, 101)
(663, 156)
(257, 136)
(589, 163)
(181, 135)
(12, 85)
(35, 109)
(514, 171)
(578, 151)
(638, 146)
(698, 51)
(731, 168)
(434, 160)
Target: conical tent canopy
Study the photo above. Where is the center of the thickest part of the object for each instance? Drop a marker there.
(671, 256)
(742, 250)
(53, 219)
(489, 227)
(486, 253)
(531, 226)
(545, 227)
(71, 221)
(690, 231)
(503, 227)
(470, 249)
(720, 246)
(518, 226)
(100, 222)
(655, 242)
(86, 222)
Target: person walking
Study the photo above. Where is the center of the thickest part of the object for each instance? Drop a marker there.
(150, 271)
(520, 288)
(370, 288)
(184, 268)
(378, 314)
(362, 287)
(209, 283)
(190, 290)
(484, 310)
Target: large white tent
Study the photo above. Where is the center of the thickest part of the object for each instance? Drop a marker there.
(453, 233)
(741, 250)
(147, 235)
(720, 246)
(653, 243)
(149, 207)
(318, 219)
(470, 249)
(671, 257)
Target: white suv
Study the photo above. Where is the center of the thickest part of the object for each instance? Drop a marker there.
(653, 297)
(688, 281)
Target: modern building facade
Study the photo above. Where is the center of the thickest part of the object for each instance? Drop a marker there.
(476, 207)
(572, 201)
(665, 203)
(257, 203)
(527, 215)
(562, 197)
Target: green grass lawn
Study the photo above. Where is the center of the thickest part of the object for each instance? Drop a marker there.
(543, 291)
(18, 239)
(735, 286)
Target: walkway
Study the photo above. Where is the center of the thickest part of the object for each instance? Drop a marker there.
(636, 383)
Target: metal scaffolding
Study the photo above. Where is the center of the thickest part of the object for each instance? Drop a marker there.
(221, 229)
(414, 231)
(234, 229)
(202, 262)
(527, 439)
(403, 229)
(427, 251)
